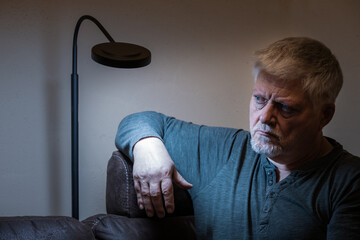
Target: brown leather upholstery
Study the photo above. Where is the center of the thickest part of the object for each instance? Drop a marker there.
(123, 221)
(34, 227)
(126, 221)
(111, 227)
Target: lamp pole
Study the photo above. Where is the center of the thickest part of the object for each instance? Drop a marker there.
(114, 54)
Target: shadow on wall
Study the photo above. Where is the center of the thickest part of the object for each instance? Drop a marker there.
(51, 82)
(53, 154)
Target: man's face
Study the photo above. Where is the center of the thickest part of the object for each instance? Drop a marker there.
(283, 121)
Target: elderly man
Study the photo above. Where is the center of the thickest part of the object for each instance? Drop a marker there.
(283, 180)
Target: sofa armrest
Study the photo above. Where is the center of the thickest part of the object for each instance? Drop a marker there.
(36, 227)
(111, 227)
(121, 195)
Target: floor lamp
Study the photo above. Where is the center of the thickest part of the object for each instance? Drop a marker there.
(113, 54)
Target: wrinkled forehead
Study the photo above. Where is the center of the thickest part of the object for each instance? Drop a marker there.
(265, 78)
(270, 86)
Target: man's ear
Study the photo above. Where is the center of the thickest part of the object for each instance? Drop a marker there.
(327, 113)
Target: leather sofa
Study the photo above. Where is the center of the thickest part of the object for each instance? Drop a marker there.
(124, 220)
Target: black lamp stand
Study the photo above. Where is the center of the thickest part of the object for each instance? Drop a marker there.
(113, 54)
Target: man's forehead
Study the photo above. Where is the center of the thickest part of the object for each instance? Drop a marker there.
(269, 80)
(279, 90)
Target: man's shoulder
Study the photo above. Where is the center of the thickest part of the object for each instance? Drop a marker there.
(347, 164)
(338, 168)
(344, 158)
(343, 174)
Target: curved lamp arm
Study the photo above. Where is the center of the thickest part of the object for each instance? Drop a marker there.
(113, 54)
(76, 33)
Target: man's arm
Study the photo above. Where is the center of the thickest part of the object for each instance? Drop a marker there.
(345, 219)
(154, 171)
(199, 152)
(136, 127)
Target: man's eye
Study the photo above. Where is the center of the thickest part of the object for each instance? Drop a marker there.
(286, 110)
(259, 102)
(259, 99)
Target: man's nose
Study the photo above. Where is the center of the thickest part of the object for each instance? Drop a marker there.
(268, 114)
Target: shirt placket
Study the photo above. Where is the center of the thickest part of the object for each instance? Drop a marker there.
(272, 192)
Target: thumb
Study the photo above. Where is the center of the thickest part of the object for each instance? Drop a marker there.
(180, 181)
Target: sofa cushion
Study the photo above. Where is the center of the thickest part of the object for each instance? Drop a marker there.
(115, 227)
(33, 227)
(121, 195)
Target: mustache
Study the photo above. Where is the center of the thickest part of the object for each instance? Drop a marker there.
(265, 128)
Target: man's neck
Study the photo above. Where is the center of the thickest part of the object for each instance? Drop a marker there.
(284, 168)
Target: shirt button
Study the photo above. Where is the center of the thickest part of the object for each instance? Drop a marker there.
(262, 227)
(266, 209)
(270, 182)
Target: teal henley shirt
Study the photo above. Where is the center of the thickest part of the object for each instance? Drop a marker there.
(235, 193)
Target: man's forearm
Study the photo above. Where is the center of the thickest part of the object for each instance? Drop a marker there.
(140, 137)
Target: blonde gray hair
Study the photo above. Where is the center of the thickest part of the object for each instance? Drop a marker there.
(306, 60)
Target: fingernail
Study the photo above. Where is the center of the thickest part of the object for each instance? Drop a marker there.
(149, 213)
(169, 210)
(141, 207)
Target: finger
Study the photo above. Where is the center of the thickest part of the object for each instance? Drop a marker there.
(145, 194)
(180, 181)
(138, 194)
(156, 199)
(168, 194)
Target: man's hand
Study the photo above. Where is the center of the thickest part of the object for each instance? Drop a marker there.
(154, 173)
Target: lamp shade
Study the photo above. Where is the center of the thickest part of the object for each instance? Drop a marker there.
(121, 55)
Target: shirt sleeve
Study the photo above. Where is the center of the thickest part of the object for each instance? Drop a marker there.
(136, 127)
(345, 219)
(199, 152)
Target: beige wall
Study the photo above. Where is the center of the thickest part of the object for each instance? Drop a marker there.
(201, 72)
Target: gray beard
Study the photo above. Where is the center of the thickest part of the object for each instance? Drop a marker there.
(261, 145)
